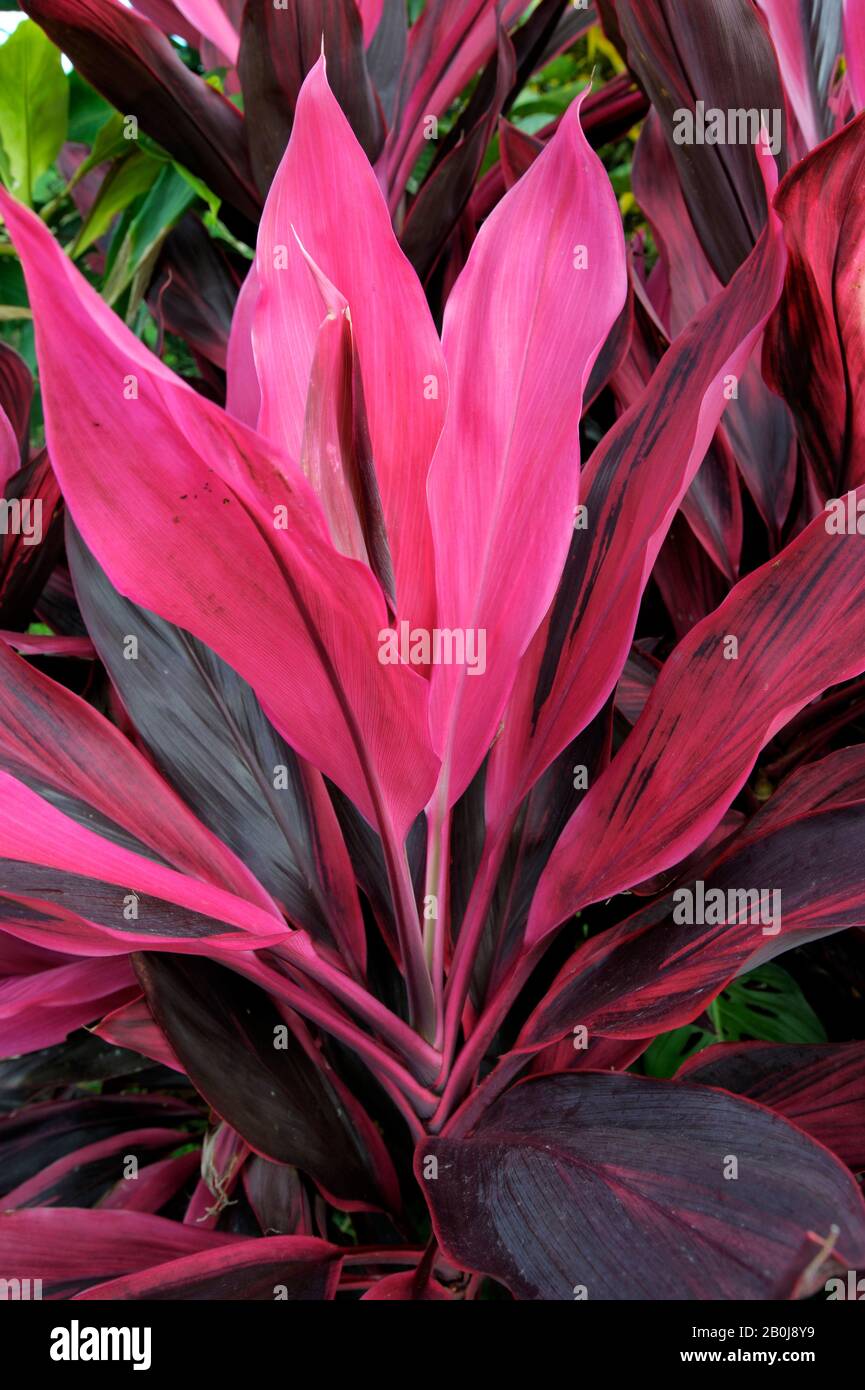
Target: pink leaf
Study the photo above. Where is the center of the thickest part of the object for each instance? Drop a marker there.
(632, 489)
(81, 865)
(228, 541)
(543, 285)
(212, 22)
(326, 196)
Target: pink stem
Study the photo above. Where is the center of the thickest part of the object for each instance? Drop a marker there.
(423, 1059)
(326, 1017)
(488, 1025)
(468, 940)
(437, 886)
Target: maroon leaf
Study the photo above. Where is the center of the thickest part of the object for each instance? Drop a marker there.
(820, 1087)
(691, 586)
(758, 424)
(807, 35)
(293, 1268)
(655, 971)
(250, 1066)
(278, 1197)
(81, 1178)
(815, 344)
(134, 66)
(24, 567)
(447, 188)
(386, 51)
(16, 392)
(40, 1134)
(619, 1187)
(404, 1288)
(208, 735)
(194, 290)
(278, 47)
(447, 45)
(719, 55)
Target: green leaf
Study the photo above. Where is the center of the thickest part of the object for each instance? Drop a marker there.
(768, 1006)
(169, 198)
(34, 106)
(88, 111)
(200, 187)
(210, 218)
(13, 289)
(123, 183)
(665, 1055)
(108, 143)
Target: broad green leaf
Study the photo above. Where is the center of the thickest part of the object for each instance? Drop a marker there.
(123, 183)
(665, 1055)
(766, 1005)
(34, 106)
(210, 218)
(169, 198)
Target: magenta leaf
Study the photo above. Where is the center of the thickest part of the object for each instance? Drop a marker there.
(71, 1248)
(293, 1268)
(400, 357)
(42, 1007)
(214, 491)
(793, 606)
(631, 489)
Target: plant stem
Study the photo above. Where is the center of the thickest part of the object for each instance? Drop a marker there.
(418, 983)
(420, 1056)
(327, 1017)
(471, 931)
(437, 888)
(488, 1025)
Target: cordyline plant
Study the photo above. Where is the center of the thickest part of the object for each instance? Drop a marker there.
(338, 862)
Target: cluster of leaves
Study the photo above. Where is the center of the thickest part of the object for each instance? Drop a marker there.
(322, 976)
